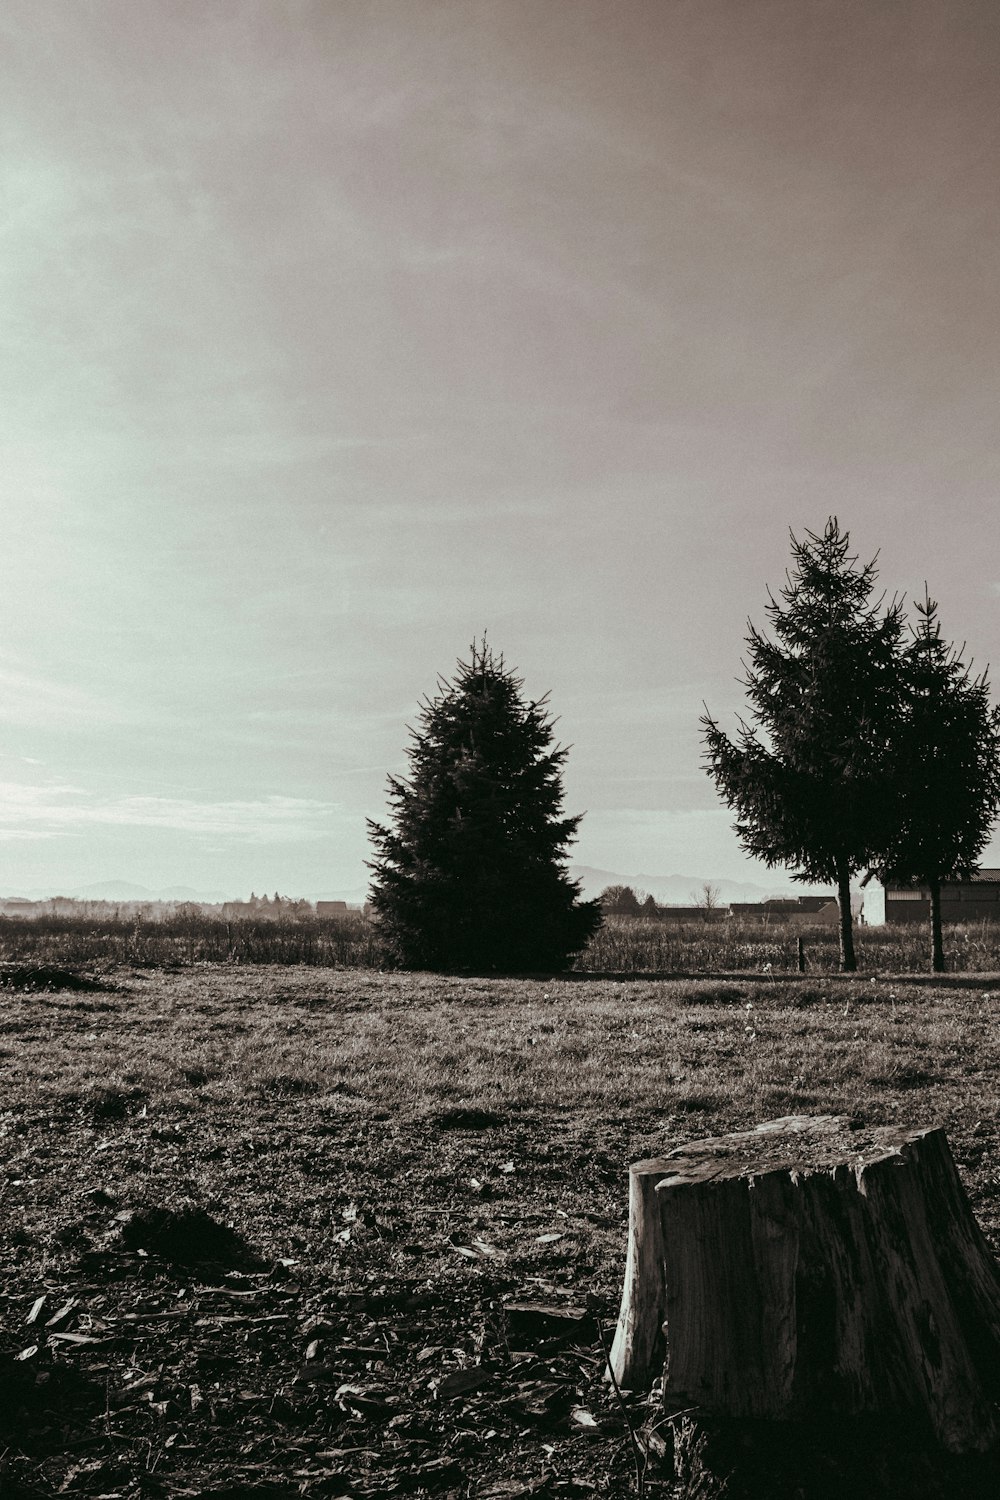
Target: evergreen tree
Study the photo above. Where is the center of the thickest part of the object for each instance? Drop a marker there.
(808, 779)
(947, 770)
(472, 873)
(620, 901)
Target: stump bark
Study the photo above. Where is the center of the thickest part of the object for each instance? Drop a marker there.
(807, 1269)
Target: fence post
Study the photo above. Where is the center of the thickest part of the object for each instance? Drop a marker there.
(801, 955)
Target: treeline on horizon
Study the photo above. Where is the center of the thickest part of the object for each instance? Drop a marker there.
(155, 909)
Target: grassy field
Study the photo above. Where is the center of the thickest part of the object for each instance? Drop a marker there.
(623, 945)
(645, 945)
(347, 941)
(275, 1212)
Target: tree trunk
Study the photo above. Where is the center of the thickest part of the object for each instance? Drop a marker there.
(805, 1270)
(937, 940)
(848, 963)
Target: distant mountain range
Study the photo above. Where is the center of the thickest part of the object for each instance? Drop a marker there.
(668, 890)
(121, 890)
(685, 890)
(127, 890)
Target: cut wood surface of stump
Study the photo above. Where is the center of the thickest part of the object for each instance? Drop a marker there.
(811, 1269)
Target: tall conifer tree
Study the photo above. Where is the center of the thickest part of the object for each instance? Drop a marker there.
(807, 778)
(946, 770)
(471, 874)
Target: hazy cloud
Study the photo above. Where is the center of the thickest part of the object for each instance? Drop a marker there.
(46, 811)
(35, 701)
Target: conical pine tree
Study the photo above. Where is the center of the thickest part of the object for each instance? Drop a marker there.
(808, 780)
(471, 875)
(947, 770)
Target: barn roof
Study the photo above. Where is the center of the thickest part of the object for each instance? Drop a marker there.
(990, 876)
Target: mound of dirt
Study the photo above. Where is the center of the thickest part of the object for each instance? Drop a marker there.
(185, 1236)
(112, 1103)
(42, 977)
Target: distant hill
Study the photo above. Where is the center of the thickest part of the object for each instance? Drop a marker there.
(356, 896)
(685, 890)
(123, 890)
(186, 893)
(112, 890)
(129, 890)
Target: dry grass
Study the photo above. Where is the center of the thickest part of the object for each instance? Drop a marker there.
(347, 940)
(645, 945)
(624, 945)
(420, 1115)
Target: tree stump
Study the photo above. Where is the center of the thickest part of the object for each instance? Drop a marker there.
(805, 1270)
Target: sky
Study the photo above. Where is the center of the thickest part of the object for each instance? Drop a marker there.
(336, 332)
